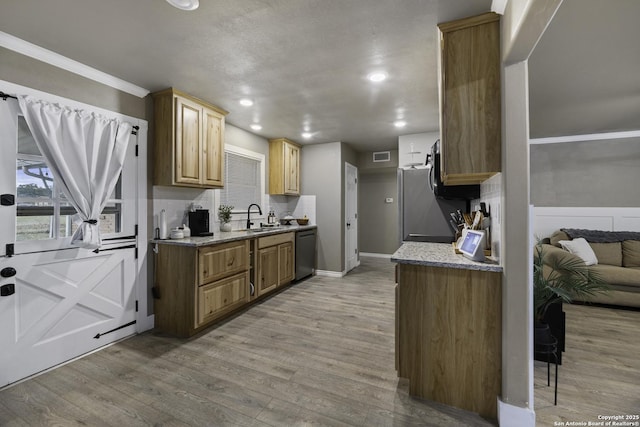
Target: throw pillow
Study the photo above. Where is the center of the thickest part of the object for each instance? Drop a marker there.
(581, 248)
(557, 236)
(608, 253)
(631, 253)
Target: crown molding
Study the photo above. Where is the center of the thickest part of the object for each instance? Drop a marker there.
(588, 137)
(41, 54)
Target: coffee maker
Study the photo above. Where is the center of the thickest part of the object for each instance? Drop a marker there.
(199, 222)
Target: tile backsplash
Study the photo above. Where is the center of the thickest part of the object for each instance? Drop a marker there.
(177, 201)
(491, 194)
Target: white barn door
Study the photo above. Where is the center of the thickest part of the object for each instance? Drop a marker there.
(58, 302)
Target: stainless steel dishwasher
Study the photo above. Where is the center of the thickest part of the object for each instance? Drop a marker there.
(305, 253)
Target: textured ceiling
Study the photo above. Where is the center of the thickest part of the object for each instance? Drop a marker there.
(303, 62)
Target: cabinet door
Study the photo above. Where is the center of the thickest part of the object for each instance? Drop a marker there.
(213, 148)
(291, 169)
(267, 270)
(285, 263)
(188, 143)
(471, 100)
(218, 298)
(215, 262)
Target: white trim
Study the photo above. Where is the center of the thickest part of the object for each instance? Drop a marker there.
(329, 273)
(588, 137)
(47, 56)
(375, 255)
(515, 416)
(546, 220)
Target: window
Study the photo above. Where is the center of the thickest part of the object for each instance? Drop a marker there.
(243, 180)
(42, 211)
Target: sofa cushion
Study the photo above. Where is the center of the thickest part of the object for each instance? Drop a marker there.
(557, 236)
(608, 253)
(631, 253)
(581, 248)
(618, 275)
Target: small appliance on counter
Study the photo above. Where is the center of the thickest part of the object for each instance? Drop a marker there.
(199, 222)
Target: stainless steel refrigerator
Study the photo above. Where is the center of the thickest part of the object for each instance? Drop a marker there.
(422, 216)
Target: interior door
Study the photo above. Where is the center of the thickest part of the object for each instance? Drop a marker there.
(351, 217)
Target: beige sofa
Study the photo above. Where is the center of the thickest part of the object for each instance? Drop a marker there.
(618, 262)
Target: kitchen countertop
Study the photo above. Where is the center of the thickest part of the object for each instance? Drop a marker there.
(230, 236)
(439, 255)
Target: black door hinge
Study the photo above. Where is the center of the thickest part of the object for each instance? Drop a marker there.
(135, 253)
(136, 150)
(135, 230)
(136, 306)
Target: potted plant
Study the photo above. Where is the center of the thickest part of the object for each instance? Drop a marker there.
(561, 278)
(224, 216)
(557, 276)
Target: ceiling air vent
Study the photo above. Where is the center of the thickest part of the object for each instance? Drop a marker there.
(382, 156)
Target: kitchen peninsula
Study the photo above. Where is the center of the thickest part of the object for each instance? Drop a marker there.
(448, 326)
(200, 280)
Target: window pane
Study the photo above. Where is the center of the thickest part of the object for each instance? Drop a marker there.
(33, 179)
(34, 227)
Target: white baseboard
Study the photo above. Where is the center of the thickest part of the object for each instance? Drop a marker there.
(375, 255)
(329, 273)
(515, 416)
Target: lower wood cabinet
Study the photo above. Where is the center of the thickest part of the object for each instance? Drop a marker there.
(449, 335)
(267, 270)
(222, 296)
(196, 286)
(276, 257)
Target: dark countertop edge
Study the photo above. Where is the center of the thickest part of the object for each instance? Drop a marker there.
(231, 236)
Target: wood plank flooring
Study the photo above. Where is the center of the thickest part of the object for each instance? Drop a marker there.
(320, 353)
(600, 371)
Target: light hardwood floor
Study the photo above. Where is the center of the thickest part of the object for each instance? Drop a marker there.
(600, 371)
(319, 353)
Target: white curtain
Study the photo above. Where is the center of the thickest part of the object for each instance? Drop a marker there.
(85, 152)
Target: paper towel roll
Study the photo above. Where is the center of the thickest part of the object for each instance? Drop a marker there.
(162, 224)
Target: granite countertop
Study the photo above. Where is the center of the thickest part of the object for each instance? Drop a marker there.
(230, 236)
(439, 255)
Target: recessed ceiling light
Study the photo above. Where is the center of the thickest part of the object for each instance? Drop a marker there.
(307, 134)
(185, 4)
(377, 76)
(246, 102)
(400, 123)
(256, 126)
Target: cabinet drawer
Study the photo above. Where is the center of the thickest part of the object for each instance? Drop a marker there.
(218, 261)
(276, 239)
(218, 298)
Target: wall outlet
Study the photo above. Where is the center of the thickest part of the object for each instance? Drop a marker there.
(388, 200)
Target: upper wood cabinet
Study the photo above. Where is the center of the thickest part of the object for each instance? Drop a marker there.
(470, 99)
(284, 167)
(188, 141)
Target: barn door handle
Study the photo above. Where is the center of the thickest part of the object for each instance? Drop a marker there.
(7, 290)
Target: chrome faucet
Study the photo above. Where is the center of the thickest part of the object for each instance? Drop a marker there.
(249, 223)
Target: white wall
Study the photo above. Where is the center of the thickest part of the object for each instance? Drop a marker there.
(418, 142)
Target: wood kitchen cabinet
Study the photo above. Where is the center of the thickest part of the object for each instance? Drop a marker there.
(195, 286)
(470, 119)
(284, 167)
(449, 335)
(188, 141)
(275, 262)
